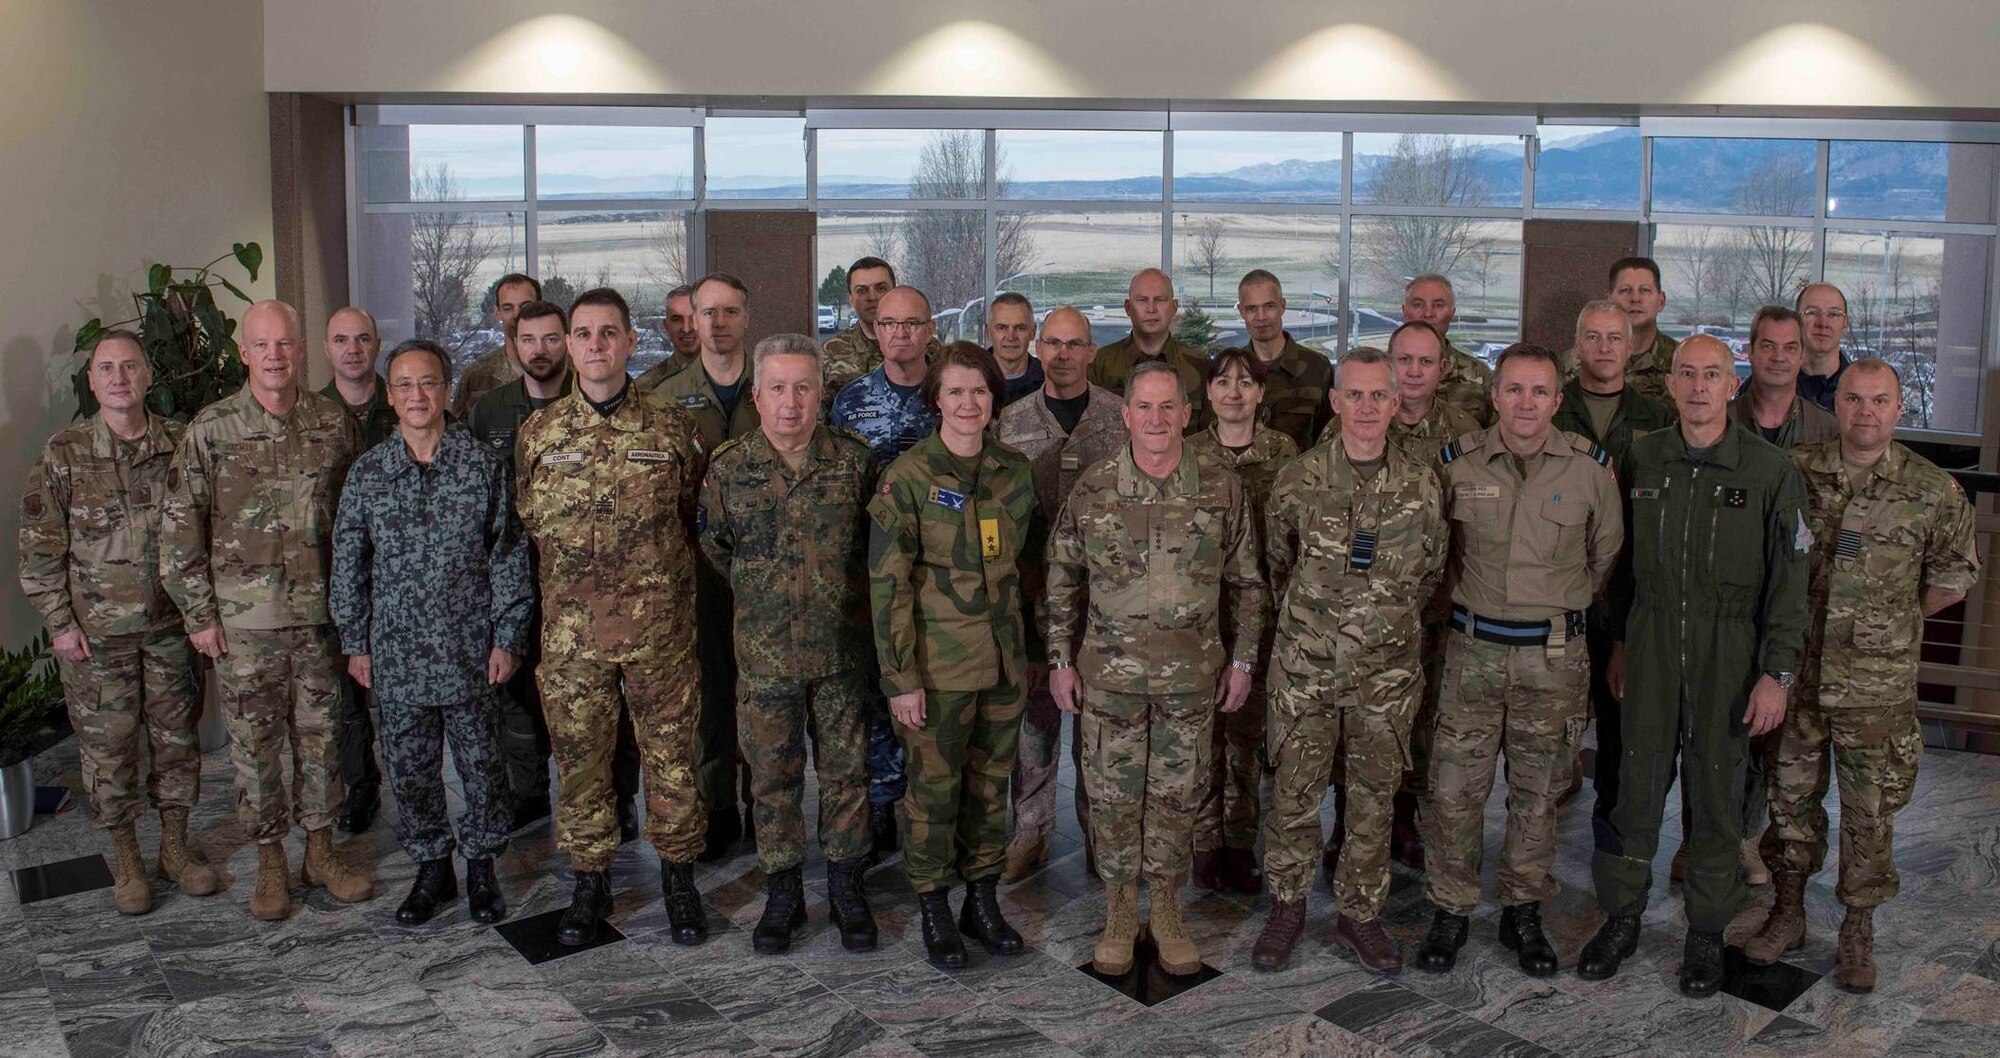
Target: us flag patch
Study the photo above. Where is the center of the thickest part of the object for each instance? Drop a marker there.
(1847, 544)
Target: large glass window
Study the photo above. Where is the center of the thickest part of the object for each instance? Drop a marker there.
(941, 252)
(1213, 250)
(1717, 277)
(1081, 165)
(1482, 258)
(1257, 167)
(755, 157)
(1910, 181)
(902, 163)
(431, 275)
(1434, 169)
(605, 161)
(1588, 167)
(1769, 178)
(1918, 302)
(1081, 259)
(442, 163)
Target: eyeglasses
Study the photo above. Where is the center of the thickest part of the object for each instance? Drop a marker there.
(408, 385)
(901, 325)
(1074, 345)
(1832, 314)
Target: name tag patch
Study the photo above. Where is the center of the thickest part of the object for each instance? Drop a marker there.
(550, 459)
(989, 537)
(694, 400)
(1645, 494)
(642, 455)
(946, 498)
(1476, 492)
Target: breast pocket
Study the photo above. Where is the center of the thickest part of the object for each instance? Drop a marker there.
(1567, 523)
(1201, 550)
(97, 502)
(940, 535)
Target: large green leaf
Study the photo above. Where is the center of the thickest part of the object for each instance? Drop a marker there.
(231, 287)
(86, 335)
(250, 256)
(157, 277)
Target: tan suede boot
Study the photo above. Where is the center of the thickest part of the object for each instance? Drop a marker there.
(271, 900)
(180, 861)
(323, 868)
(1025, 856)
(1113, 954)
(1854, 968)
(131, 890)
(1785, 928)
(1177, 952)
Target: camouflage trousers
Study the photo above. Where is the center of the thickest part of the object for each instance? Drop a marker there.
(1498, 699)
(143, 682)
(413, 741)
(1227, 816)
(773, 717)
(524, 741)
(281, 687)
(1369, 724)
(1036, 765)
(1875, 748)
(955, 807)
(580, 700)
(1146, 764)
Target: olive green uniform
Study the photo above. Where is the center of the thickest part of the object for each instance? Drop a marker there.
(1295, 393)
(654, 377)
(1807, 424)
(1113, 364)
(1709, 595)
(492, 370)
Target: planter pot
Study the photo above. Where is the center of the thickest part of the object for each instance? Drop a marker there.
(17, 799)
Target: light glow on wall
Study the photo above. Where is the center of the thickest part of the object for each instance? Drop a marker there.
(1806, 64)
(972, 58)
(1351, 61)
(557, 53)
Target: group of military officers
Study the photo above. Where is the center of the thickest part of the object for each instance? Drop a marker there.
(1385, 576)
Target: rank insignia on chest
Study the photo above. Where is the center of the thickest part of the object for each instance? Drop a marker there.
(1847, 544)
(605, 506)
(550, 459)
(501, 440)
(946, 498)
(1072, 461)
(1362, 554)
(1731, 497)
(989, 537)
(694, 400)
(641, 455)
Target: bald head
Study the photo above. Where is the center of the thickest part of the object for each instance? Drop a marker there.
(1704, 349)
(272, 345)
(1150, 305)
(351, 345)
(271, 309)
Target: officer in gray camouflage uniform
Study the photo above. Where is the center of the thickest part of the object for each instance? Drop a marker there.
(432, 596)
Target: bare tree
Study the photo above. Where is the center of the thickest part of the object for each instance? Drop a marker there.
(1700, 261)
(666, 252)
(1206, 247)
(940, 248)
(1772, 261)
(1425, 170)
(446, 248)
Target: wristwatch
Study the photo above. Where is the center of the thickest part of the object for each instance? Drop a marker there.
(1054, 665)
(1784, 679)
(1244, 667)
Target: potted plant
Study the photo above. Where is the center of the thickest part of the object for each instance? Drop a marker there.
(29, 691)
(189, 340)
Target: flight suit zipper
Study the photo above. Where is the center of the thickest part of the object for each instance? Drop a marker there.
(1687, 538)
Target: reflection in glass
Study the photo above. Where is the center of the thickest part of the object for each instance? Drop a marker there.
(1588, 167)
(1428, 169)
(1772, 178)
(1910, 181)
(602, 161)
(1256, 167)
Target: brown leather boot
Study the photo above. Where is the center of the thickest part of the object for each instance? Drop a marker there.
(323, 868)
(1176, 949)
(1784, 928)
(180, 861)
(1025, 856)
(1280, 935)
(271, 900)
(1855, 969)
(1113, 954)
(131, 890)
(1369, 942)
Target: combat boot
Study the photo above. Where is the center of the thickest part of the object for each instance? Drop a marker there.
(180, 861)
(981, 919)
(1025, 856)
(1855, 966)
(784, 912)
(1785, 928)
(1370, 943)
(1439, 952)
(1701, 964)
(942, 944)
(323, 868)
(1176, 950)
(131, 890)
(482, 892)
(1280, 935)
(687, 920)
(1615, 942)
(882, 830)
(271, 900)
(847, 904)
(1521, 932)
(436, 885)
(588, 905)
(1208, 870)
(1113, 954)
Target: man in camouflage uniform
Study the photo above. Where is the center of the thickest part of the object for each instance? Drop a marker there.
(1536, 525)
(1298, 379)
(245, 541)
(498, 367)
(90, 524)
(1152, 307)
(1467, 382)
(351, 349)
(606, 480)
(1162, 537)
(1635, 287)
(1769, 402)
(683, 339)
(858, 350)
(1067, 426)
(782, 523)
(1892, 544)
(434, 603)
(886, 408)
(1355, 540)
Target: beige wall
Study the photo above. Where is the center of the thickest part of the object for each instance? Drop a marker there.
(1863, 53)
(130, 133)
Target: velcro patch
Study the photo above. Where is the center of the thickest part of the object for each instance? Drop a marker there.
(1645, 494)
(1362, 554)
(1847, 544)
(694, 400)
(643, 455)
(946, 498)
(1732, 497)
(550, 459)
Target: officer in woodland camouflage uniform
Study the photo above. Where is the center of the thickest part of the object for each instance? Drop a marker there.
(1066, 426)
(1355, 539)
(782, 523)
(1636, 288)
(1892, 544)
(1162, 537)
(498, 367)
(1466, 382)
(245, 542)
(1152, 307)
(1225, 829)
(1297, 379)
(605, 482)
(1536, 525)
(435, 606)
(954, 554)
(90, 524)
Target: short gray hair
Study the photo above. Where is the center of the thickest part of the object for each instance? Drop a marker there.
(1604, 306)
(1432, 277)
(787, 345)
(1154, 367)
(1363, 354)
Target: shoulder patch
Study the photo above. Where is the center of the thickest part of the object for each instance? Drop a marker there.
(1450, 451)
(1589, 447)
(726, 446)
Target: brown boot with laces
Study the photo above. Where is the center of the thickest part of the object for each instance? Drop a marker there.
(180, 861)
(1855, 969)
(131, 891)
(1176, 949)
(1785, 928)
(271, 900)
(1113, 954)
(1280, 935)
(1369, 942)
(323, 868)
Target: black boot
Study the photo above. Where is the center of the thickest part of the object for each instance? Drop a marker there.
(1701, 964)
(482, 893)
(628, 820)
(435, 885)
(1439, 952)
(587, 907)
(784, 913)
(358, 814)
(724, 827)
(882, 830)
(686, 918)
(1521, 931)
(941, 940)
(1616, 940)
(847, 904)
(981, 920)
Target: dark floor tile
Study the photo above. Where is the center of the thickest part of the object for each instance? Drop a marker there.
(110, 1039)
(1772, 987)
(535, 937)
(982, 1032)
(1395, 1017)
(1146, 981)
(62, 878)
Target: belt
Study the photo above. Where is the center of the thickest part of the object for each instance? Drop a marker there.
(1515, 633)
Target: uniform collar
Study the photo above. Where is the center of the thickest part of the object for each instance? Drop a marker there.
(1341, 468)
(1891, 467)
(248, 401)
(1134, 483)
(154, 441)
(380, 399)
(1291, 359)
(757, 449)
(1263, 444)
(626, 419)
(1493, 446)
(454, 446)
(1728, 449)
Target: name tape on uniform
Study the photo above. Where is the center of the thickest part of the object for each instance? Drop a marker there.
(550, 459)
(1476, 492)
(646, 455)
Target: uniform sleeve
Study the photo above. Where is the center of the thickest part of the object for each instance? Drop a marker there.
(1437, 536)
(1607, 532)
(892, 556)
(1281, 544)
(689, 500)
(1618, 591)
(350, 434)
(508, 569)
(45, 545)
(1243, 572)
(1951, 553)
(350, 592)
(1062, 593)
(1034, 575)
(711, 525)
(184, 537)
(524, 476)
(1787, 551)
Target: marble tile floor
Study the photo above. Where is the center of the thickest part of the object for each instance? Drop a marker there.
(199, 977)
